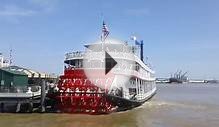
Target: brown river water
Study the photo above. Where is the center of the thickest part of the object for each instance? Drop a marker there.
(174, 105)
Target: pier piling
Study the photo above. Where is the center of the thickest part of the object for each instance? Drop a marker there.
(30, 107)
(2, 107)
(43, 95)
(18, 108)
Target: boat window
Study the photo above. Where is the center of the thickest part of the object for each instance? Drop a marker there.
(137, 67)
(78, 63)
(132, 91)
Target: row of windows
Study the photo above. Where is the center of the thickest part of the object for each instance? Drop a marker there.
(127, 65)
(142, 88)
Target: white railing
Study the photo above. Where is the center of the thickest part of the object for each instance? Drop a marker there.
(119, 55)
(74, 55)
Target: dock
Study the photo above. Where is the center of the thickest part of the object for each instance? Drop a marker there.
(24, 102)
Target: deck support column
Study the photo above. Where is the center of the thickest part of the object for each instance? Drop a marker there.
(140, 95)
(136, 85)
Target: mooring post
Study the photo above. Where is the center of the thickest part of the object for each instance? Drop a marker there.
(43, 95)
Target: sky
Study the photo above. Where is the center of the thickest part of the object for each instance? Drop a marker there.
(177, 34)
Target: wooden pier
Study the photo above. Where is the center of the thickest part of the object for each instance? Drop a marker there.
(24, 102)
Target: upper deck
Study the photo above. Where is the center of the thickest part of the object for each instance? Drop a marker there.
(119, 51)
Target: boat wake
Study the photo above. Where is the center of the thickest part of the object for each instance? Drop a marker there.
(168, 104)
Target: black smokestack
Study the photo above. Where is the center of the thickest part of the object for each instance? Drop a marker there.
(141, 53)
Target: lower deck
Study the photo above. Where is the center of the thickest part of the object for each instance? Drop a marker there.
(126, 104)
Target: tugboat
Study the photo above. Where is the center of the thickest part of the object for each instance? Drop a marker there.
(97, 93)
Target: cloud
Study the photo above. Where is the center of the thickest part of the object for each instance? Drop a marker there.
(137, 11)
(12, 10)
(45, 5)
(28, 8)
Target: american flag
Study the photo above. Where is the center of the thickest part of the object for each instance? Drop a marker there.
(105, 32)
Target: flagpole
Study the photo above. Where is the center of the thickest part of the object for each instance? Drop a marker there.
(105, 33)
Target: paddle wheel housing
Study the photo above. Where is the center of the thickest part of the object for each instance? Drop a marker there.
(77, 94)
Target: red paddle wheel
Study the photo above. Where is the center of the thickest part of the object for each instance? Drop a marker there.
(77, 94)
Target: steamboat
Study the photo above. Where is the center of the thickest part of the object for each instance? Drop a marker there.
(118, 81)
